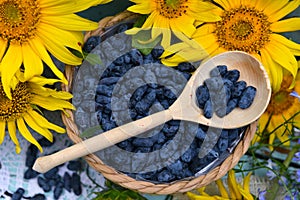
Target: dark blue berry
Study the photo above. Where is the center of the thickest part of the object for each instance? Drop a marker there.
(148, 59)
(17, 195)
(232, 104)
(176, 168)
(157, 52)
(247, 97)
(186, 67)
(222, 144)
(44, 142)
(202, 95)
(208, 109)
(165, 176)
(222, 69)
(188, 155)
(74, 165)
(136, 57)
(51, 173)
(238, 89)
(38, 197)
(30, 173)
(91, 43)
(67, 181)
(140, 142)
(76, 184)
(200, 134)
(232, 75)
(58, 190)
(43, 183)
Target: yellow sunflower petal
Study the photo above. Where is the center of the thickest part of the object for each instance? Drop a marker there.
(207, 41)
(56, 41)
(174, 49)
(294, 47)
(263, 121)
(204, 30)
(51, 103)
(287, 25)
(224, 3)
(246, 195)
(70, 22)
(222, 189)
(275, 6)
(32, 63)
(288, 8)
(184, 25)
(45, 123)
(39, 90)
(9, 65)
(282, 55)
(2, 131)
(43, 131)
(12, 130)
(3, 46)
(232, 184)
(41, 81)
(273, 69)
(150, 20)
(62, 7)
(166, 38)
(282, 132)
(40, 49)
(262, 4)
(144, 7)
(26, 134)
(246, 184)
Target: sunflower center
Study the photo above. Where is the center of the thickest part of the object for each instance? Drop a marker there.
(245, 29)
(172, 8)
(12, 109)
(18, 20)
(280, 102)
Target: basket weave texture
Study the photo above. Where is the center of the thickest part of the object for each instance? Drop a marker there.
(144, 186)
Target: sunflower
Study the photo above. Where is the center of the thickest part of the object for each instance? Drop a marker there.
(282, 114)
(253, 26)
(30, 29)
(22, 109)
(165, 16)
(236, 191)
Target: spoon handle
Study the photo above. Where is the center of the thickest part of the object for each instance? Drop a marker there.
(102, 141)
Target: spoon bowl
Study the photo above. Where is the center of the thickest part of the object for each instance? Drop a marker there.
(184, 108)
(251, 71)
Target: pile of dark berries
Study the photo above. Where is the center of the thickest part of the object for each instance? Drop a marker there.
(70, 181)
(223, 92)
(152, 95)
(140, 103)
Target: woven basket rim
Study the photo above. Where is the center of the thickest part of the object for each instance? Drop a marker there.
(110, 173)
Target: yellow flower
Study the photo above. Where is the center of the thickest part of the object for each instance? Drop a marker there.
(21, 111)
(251, 26)
(172, 15)
(30, 29)
(236, 191)
(282, 114)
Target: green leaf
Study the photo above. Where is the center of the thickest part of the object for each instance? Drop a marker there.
(93, 59)
(140, 21)
(90, 131)
(143, 41)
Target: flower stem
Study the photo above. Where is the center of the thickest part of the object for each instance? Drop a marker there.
(272, 194)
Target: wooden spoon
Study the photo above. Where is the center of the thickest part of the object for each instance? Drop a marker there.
(184, 108)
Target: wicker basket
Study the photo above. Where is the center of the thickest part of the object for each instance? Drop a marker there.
(144, 186)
